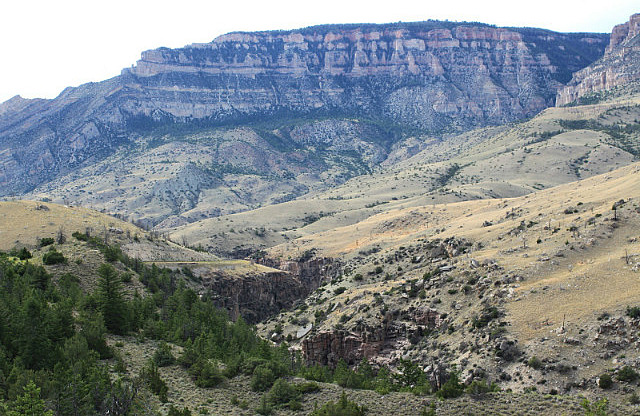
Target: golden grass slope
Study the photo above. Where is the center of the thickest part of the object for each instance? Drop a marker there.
(24, 223)
(496, 162)
(575, 260)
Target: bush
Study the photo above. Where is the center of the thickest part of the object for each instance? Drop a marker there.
(283, 394)
(53, 257)
(206, 374)
(488, 315)
(263, 378)
(22, 254)
(80, 236)
(339, 290)
(429, 410)
(343, 407)
(534, 362)
(112, 253)
(451, 389)
(598, 408)
(174, 411)
(264, 409)
(47, 241)
(151, 377)
(479, 388)
(605, 381)
(627, 373)
(308, 387)
(163, 356)
(633, 312)
(317, 373)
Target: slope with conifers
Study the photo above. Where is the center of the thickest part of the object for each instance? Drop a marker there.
(141, 340)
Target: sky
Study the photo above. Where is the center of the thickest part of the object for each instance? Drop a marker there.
(49, 45)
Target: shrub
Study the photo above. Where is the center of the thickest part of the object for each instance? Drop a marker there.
(46, 241)
(479, 388)
(174, 411)
(627, 373)
(283, 394)
(308, 387)
(598, 408)
(343, 407)
(488, 315)
(534, 362)
(605, 381)
(263, 378)
(206, 374)
(22, 254)
(112, 253)
(80, 236)
(151, 377)
(163, 356)
(633, 312)
(451, 389)
(264, 409)
(429, 410)
(53, 257)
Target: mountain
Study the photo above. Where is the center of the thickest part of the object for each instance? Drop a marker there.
(559, 145)
(383, 83)
(619, 66)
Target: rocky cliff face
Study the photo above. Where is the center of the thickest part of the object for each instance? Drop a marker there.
(619, 66)
(257, 295)
(434, 76)
(253, 296)
(369, 341)
(425, 74)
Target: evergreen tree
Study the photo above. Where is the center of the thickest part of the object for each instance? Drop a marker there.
(112, 304)
(29, 403)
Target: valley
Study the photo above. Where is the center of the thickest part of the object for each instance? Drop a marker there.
(340, 219)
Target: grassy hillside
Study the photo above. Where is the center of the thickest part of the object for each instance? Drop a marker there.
(558, 266)
(558, 146)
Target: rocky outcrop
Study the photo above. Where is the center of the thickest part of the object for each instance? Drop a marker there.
(436, 76)
(369, 341)
(257, 295)
(310, 271)
(619, 66)
(254, 296)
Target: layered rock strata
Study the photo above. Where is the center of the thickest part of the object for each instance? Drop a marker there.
(436, 76)
(619, 66)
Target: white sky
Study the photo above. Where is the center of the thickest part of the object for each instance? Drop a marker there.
(47, 45)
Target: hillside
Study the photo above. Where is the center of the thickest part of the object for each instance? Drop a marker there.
(485, 285)
(560, 145)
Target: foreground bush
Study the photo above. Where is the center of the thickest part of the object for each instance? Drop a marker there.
(343, 407)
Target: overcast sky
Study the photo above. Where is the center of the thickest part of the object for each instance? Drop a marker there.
(47, 45)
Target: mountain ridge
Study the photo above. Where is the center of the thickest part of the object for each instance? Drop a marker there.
(468, 77)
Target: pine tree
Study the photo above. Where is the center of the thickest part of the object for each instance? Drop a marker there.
(112, 303)
(29, 403)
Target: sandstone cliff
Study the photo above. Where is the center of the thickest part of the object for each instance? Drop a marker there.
(619, 66)
(432, 76)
